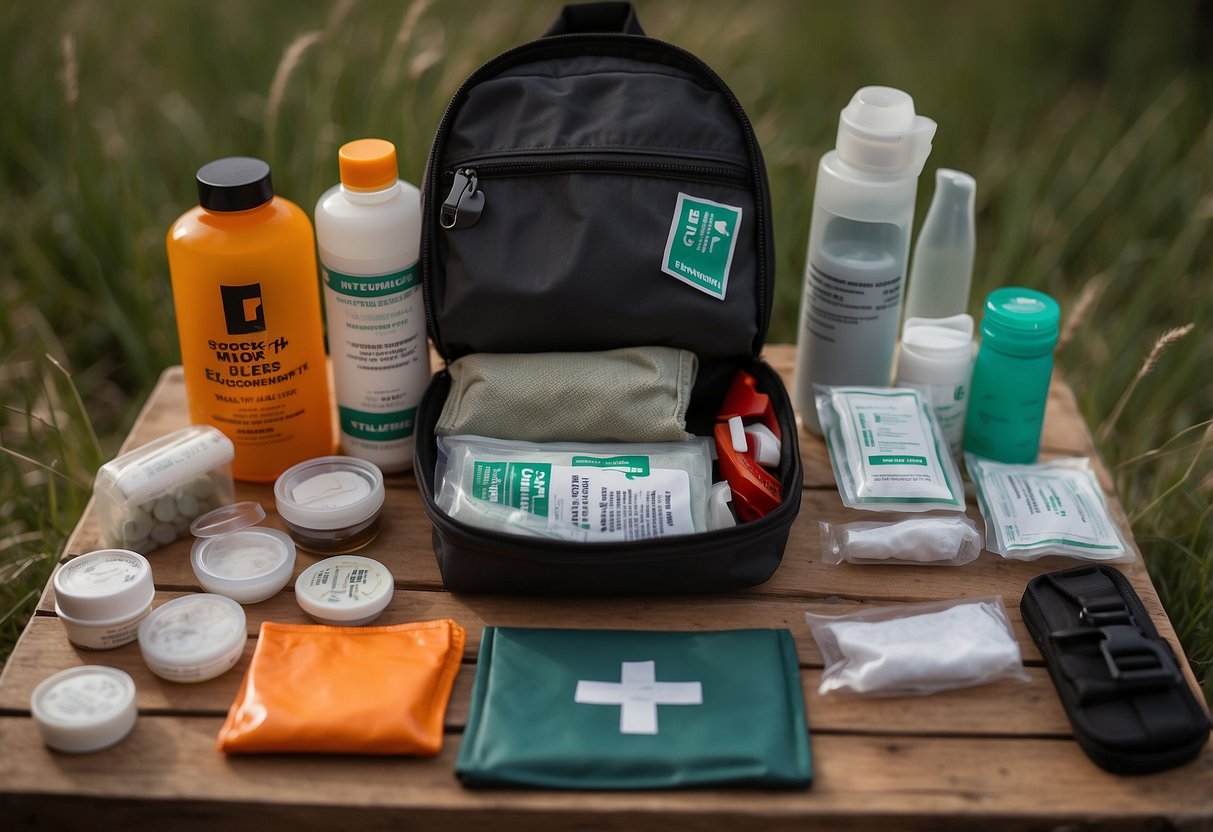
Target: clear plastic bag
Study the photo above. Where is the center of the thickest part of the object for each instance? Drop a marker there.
(887, 451)
(576, 491)
(917, 649)
(931, 541)
(1047, 508)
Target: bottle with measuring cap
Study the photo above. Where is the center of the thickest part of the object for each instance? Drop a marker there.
(369, 232)
(1010, 387)
(863, 211)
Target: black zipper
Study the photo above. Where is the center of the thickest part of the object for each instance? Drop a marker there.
(466, 199)
(555, 42)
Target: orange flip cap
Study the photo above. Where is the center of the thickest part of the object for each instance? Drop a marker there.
(744, 400)
(367, 164)
(346, 690)
(755, 491)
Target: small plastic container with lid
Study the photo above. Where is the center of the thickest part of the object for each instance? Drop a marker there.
(1019, 329)
(331, 504)
(102, 597)
(936, 359)
(347, 590)
(236, 558)
(85, 708)
(193, 638)
(149, 496)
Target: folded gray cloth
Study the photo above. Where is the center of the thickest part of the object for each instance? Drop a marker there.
(636, 394)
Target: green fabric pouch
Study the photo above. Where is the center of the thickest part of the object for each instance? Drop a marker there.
(608, 709)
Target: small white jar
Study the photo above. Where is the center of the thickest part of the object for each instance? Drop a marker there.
(347, 590)
(85, 708)
(193, 638)
(331, 504)
(235, 557)
(101, 597)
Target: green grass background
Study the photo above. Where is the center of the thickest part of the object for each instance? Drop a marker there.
(1088, 124)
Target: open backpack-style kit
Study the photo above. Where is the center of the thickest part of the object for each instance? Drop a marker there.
(598, 190)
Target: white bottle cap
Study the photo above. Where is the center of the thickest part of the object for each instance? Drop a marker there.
(936, 350)
(85, 708)
(106, 585)
(345, 590)
(193, 638)
(765, 447)
(879, 132)
(238, 559)
(329, 492)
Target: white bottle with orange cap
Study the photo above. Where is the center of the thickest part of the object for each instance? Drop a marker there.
(369, 233)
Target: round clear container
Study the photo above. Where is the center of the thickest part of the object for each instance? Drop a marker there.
(101, 597)
(193, 638)
(85, 708)
(236, 558)
(331, 504)
(347, 590)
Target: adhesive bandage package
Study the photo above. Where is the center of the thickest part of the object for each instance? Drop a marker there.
(940, 541)
(887, 451)
(585, 492)
(1047, 508)
(917, 649)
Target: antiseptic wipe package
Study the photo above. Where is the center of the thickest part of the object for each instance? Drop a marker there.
(571, 491)
(1048, 508)
(887, 450)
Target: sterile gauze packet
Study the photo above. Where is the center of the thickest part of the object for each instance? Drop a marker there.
(575, 491)
(1047, 508)
(933, 541)
(887, 451)
(917, 649)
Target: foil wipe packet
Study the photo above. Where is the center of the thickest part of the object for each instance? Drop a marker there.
(346, 690)
(576, 491)
(917, 649)
(887, 451)
(1046, 508)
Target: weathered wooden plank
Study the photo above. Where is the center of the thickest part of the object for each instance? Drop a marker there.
(925, 782)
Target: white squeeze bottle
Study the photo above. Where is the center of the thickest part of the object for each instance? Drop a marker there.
(369, 233)
(859, 241)
(942, 268)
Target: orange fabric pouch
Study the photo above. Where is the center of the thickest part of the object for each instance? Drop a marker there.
(346, 690)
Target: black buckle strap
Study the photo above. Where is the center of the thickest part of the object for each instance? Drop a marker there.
(1133, 661)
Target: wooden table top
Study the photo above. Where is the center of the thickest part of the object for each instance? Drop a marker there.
(992, 757)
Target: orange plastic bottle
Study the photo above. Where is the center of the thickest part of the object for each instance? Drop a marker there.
(245, 288)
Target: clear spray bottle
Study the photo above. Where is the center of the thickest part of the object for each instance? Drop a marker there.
(942, 269)
(859, 241)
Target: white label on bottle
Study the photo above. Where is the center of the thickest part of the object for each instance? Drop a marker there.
(948, 401)
(381, 359)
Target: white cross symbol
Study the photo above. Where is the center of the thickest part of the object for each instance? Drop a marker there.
(638, 693)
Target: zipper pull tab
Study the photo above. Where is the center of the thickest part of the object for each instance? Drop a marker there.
(464, 203)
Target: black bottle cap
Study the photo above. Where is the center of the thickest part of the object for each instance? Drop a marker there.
(236, 183)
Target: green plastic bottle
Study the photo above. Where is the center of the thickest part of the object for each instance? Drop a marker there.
(1010, 384)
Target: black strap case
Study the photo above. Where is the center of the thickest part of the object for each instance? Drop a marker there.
(1128, 702)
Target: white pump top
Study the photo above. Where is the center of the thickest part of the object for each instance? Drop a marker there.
(878, 132)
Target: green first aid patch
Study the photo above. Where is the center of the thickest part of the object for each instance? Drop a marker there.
(699, 250)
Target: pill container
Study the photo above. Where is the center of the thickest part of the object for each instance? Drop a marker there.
(347, 590)
(235, 557)
(193, 638)
(102, 597)
(331, 504)
(85, 708)
(149, 496)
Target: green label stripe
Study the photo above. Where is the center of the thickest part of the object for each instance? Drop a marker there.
(522, 485)
(358, 286)
(377, 427)
(630, 466)
(897, 460)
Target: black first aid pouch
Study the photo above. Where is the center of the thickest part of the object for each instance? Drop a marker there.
(1127, 699)
(593, 190)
